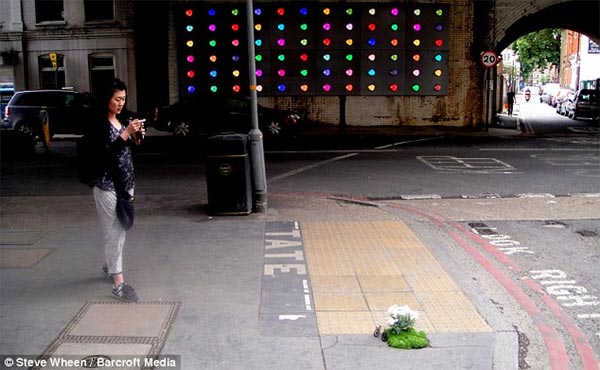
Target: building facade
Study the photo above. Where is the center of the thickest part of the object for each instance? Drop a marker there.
(46, 44)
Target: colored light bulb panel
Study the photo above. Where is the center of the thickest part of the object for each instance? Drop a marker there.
(312, 48)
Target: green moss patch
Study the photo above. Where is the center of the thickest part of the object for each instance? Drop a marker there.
(407, 339)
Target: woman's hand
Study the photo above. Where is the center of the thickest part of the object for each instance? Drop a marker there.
(135, 126)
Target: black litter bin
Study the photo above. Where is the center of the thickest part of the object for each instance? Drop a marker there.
(228, 181)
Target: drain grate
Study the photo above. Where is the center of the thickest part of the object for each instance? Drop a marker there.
(112, 329)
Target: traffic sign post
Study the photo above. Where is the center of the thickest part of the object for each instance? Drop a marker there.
(489, 58)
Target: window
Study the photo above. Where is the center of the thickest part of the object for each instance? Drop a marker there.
(102, 69)
(50, 78)
(49, 10)
(99, 10)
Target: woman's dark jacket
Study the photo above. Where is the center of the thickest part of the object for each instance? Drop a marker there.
(97, 154)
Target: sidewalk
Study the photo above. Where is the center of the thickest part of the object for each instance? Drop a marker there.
(300, 287)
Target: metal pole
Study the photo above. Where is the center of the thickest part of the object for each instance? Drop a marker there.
(257, 153)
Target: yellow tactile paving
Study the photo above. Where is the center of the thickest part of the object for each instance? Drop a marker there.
(383, 283)
(359, 269)
(340, 302)
(323, 283)
(346, 322)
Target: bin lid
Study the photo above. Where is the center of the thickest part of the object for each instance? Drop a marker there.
(227, 144)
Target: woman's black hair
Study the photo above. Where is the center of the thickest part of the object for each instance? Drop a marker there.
(106, 92)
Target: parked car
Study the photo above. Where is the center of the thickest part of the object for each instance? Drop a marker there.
(548, 91)
(562, 102)
(584, 105)
(6, 92)
(560, 93)
(67, 112)
(214, 114)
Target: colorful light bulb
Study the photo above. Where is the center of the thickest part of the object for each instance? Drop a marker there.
(393, 87)
(258, 11)
(438, 58)
(235, 73)
(259, 73)
(349, 26)
(258, 27)
(304, 87)
(259, 88)
(416, 72)
(235, 42)
(437, 87)
(371, 42)
(417, 27)
(349, 42)
(327, 42)
(327, 57)
(303, 26)
(304, 42)
(371, 57)
(372, 11)
(417, 12)
(281, 26)
(281, 57)
(212, 27)
(189, 43)
(189, 28)
(281, 42)
(394, 72)
(438, 73)
(326, 26)
(189, 12)
(394, 12)
(235, 58)
(213, 89)
(281, 87)
(212, 58)
(394, 57)
(416, 42)
(439, 43)
(349, 72)
(304, 72)
(303, 11)
(394, 42)
(349, 11)
(349, 57)
(190, 59)
(191, 89)
(281, 72)
(235, 27)
(327, 87)
(212, 73)
(236, 88)
(416, 57)
(326, 11)
(439, 27)
(415, 87)
(258, 57)
(212, 43)
(371, 26)
(439, 12)
(394, 27)
(327, 72)
(371, 87)
(280, 11)
(349, 87)
(258, 42)
(304, 57)
(371, 72)
(191, 74)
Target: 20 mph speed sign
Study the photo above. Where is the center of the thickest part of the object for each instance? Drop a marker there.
(489, 58)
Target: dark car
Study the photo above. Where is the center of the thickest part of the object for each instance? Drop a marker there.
(66, 111)
(584, 105)
(213, 114)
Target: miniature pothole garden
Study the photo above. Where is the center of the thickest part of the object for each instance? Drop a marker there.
(399, 332)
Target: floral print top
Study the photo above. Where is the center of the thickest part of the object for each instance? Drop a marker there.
(125, 166)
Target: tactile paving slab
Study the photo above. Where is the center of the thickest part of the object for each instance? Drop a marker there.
(391, 266)
(22, 258)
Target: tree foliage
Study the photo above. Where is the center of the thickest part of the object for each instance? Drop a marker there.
(538, 50)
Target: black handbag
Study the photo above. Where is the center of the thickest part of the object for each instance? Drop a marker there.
(124, 208)
(125, 212)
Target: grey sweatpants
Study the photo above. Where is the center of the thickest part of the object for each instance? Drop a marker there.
(112, 231)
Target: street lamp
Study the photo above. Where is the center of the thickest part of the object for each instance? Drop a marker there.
(257, 154)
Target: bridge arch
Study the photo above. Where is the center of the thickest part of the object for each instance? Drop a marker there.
(515, 18)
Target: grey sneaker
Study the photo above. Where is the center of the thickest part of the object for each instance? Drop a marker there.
(124, 293)
(106, 274)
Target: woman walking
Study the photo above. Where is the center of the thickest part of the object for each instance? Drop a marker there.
(111, 141)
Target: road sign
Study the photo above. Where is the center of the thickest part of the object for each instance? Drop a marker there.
(489, 58)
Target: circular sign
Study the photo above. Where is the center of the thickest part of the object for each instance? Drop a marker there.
(225, 169)
(489, 58)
